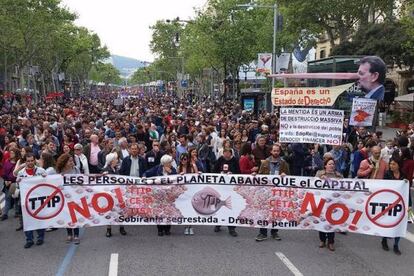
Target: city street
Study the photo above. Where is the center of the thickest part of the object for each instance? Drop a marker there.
(241, 113)
(142, 252)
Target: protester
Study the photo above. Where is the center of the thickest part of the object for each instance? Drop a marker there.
(81, 162)
(196, 165)
(273, 165)
(246, 162)
(387, 151)
(188, 165)
(111, 167)
(91, 152)
(133, 165)
(227, 164)
(394, 173)
(328, 172)
(66, 165)
(9, 179)
(30, 169)
(165, 168)
(373, 167)
(153, 157)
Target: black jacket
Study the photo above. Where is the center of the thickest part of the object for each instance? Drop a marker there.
(153, 159)
(126, 166)
(233, 164)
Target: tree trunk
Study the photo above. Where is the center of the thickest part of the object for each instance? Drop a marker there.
(331, 37)
(43, 87)
(5, 70)
(53, 82)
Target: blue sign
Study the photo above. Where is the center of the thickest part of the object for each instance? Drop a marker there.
(248, 104)
(184, 83)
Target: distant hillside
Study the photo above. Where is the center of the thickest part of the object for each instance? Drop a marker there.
(127, 66)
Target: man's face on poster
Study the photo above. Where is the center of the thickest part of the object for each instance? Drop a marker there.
(367, 80)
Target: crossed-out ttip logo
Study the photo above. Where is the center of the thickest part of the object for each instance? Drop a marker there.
(207, 201)
(44, 201)
(385, 208)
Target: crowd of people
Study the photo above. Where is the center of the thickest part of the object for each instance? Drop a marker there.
(154, 134)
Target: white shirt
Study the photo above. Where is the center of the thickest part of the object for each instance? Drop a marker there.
(37, 171)
(134, 171)
(125, 153)
(82, 158)
(386, 154)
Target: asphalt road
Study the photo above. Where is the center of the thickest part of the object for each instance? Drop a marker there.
(142, 252)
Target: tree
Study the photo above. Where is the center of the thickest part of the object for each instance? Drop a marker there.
(42, 33)
(338, 19)
(222, 37)
(389, 40)
(106, 73)
(141, 76)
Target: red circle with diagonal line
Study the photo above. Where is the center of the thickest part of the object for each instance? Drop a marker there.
(40, 212)
(391, 204)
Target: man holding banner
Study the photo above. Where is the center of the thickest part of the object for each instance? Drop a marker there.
(273, 165)
(29, 171)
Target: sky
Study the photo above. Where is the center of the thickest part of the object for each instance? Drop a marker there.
(123, 25)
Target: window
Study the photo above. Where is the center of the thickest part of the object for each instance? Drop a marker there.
(322, 54)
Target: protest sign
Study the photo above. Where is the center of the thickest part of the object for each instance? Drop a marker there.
(307, 96)
(264, 63)
(373, 207)
(311, 125)
(363, 112)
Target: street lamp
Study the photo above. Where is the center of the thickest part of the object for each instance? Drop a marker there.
(252, 5)
(182, 73)
(177, 44)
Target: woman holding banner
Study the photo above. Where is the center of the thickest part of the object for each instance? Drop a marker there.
(66, 165)
(189, 164)
(112, 167)
(328, 172)
(393, 173)
(165, 168)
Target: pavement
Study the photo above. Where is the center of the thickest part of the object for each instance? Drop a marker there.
(142, 252)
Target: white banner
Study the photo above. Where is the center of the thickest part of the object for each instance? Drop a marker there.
(363, 112)
(311, 125)
(282, 63)
(373, 207)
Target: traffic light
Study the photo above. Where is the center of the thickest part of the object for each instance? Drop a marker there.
(177, 38)
(279, 22)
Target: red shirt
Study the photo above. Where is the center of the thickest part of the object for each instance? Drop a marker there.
(30, 171)
(246, 164)
(408, 169)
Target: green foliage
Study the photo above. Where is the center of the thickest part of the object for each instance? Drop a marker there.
(106, 73)
(223, 37)
(141, 76)
(388, 40)
(43, 33)
(337, 18)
